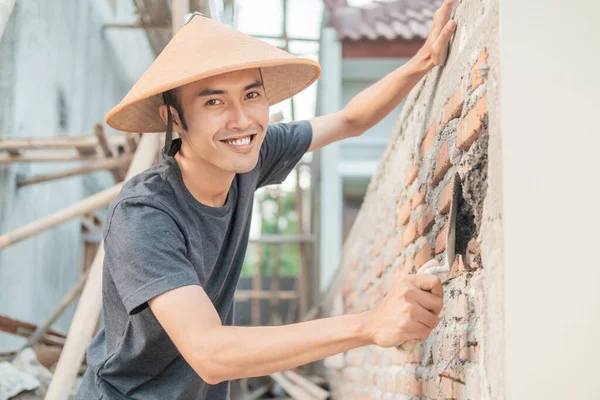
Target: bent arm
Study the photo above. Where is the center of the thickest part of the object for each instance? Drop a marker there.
(218, 353)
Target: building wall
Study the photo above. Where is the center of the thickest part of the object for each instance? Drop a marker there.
(448, 125)
(59, 77)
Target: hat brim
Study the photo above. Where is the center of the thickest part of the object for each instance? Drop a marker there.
(282, 79)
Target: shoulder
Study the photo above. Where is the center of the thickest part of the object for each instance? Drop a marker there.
(144, 199)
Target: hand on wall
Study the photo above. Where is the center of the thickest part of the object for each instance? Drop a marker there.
(410, 310)
(435, 49)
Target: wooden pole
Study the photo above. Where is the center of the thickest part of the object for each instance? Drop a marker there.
(110, 164)
(297, 392)
(80, 208)
(46, 158)
(41, 330)
(103, 142)
(86, 143)
(275, 283)
(179, 9)
(265, 294)
(257, 286)
(314, 390)
(88, 309)
(6, 7)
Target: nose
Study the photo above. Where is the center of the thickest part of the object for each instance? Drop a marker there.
(239, 119)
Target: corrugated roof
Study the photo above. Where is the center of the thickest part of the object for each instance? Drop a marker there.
(393, 19)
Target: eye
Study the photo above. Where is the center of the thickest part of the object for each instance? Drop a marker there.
(213, 102)
(252, 95)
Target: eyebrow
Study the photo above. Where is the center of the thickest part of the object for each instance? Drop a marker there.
(211, 92)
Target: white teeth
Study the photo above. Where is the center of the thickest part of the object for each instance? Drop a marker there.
(240, 142)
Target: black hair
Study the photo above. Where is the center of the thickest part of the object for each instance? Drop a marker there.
(171, 98)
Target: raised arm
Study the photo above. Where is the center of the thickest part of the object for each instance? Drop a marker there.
(374, 103)
(218, 353)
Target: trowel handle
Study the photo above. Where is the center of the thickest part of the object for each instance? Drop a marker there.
(431, 267)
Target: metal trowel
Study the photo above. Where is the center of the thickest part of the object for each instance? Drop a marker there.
(432, 267)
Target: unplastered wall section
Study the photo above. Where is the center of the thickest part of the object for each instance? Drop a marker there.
(448, 126)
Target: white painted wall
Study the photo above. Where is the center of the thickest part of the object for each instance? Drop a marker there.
(50, 48)
(550, 98)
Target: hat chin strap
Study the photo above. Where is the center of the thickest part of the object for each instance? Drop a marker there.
(169, 136)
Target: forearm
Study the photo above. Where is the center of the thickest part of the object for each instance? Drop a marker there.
(237, 352)
(374, 103)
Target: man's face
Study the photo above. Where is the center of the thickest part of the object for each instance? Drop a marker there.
(227, 116)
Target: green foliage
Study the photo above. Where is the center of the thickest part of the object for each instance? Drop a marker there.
(288, 225)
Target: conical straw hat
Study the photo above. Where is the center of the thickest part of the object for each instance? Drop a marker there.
(201, 49)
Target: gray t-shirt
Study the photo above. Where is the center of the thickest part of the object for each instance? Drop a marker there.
(158, 237)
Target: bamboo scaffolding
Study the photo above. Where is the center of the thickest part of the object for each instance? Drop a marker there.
(21, 158)
(241, 295)
(110, 164)
(85, 143)
(80, 208)
(88, 309)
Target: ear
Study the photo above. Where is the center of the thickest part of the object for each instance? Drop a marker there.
(176, 121)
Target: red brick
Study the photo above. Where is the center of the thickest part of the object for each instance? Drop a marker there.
(416, 387)
(408, 266)
(425, 221)
(402, 384)
(352, 374)
(459, 391)
(469, 129)
(440, 240)
(448, 351)
(458, 267)
(454, 105)
(399, 357)
(412, 174)
(378, 246)
(410, 234)
(423, 255)
(464, 349)
(366, 282)
(398, 248)
(426, 143)
(419, 197)
(447, 388)
(476, 77)
(442, 164)
(354, 358)
(457, 306)
(379, 268)
(430, 388)
(445, 198)
(404, 214)
(390, 384)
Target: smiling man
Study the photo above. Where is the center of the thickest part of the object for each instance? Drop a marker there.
(176, 236)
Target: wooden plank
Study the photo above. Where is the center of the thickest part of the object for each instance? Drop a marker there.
(106, 150)
(314, 390)
(282, 239)
(297, 392)
(85, 142)
(257, 286)
(66, 301)
(275, 315)
(80, 208)
(25, 329)
(85, 320)
(242, 295)
(111, 164)
(6, 159)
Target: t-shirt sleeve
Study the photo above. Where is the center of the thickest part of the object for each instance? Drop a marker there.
(282, 149)
(145, 254)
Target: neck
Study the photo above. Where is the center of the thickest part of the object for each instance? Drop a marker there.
(207, 183)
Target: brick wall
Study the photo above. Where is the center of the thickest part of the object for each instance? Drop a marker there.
(445, 128)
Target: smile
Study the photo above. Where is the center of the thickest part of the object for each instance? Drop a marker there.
(243, 144)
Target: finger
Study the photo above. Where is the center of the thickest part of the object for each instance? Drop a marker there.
(429, 283)
(440, 46)
(425, 317)
(442, 16)
(430, 302)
